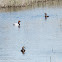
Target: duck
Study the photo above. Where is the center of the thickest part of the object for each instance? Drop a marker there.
(17, 24)
(46, 15)
(23, 50)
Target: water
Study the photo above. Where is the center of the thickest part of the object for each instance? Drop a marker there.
(42, 38)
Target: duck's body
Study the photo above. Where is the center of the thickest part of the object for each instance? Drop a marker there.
(23, 51)
(17, 24)
(46, 16)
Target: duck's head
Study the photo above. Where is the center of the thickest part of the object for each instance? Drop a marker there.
(19, 22)
(23, 47)
(45, 14)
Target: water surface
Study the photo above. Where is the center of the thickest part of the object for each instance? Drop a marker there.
(42, 38)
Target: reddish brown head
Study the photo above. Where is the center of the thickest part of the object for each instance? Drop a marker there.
(19, 22)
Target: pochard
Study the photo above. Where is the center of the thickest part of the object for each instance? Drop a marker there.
(17, 24)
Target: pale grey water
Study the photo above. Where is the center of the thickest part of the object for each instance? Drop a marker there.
(42, 38)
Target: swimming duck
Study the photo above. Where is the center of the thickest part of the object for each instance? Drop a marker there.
(46, 15)
(23, 50)
(17, 24)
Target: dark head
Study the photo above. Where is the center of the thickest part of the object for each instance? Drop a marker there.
(23, 47)
(45, 14)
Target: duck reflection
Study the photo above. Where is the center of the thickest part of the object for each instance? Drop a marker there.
(19, 26)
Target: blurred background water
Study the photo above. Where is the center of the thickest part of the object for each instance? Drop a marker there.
(42, 38)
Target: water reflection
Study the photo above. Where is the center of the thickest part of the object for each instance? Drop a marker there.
(19, 26)
(60, 24)
(42, 4)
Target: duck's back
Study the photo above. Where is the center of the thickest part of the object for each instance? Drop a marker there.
(16, 24)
